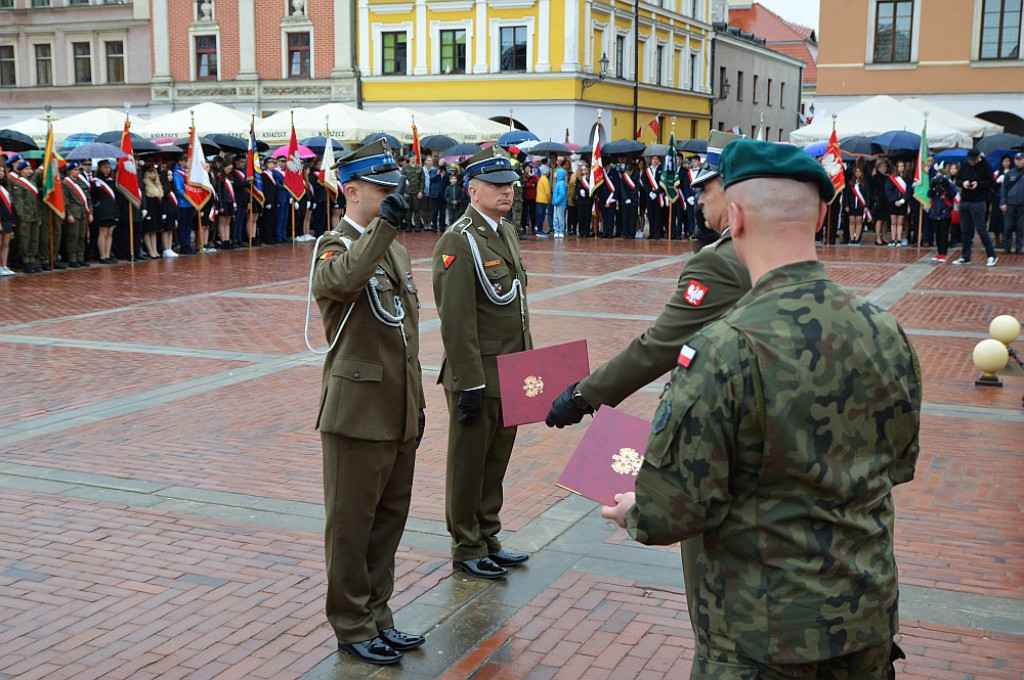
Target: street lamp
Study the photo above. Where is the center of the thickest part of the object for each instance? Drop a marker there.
(603, 61)
(724, 94)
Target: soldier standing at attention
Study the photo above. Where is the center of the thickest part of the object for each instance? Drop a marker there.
(415, 192)
(480, 292)
(778, 442)
(29, 207)
(77, 214)
(371, 403)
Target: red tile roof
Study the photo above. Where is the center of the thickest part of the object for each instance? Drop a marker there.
(780, 35)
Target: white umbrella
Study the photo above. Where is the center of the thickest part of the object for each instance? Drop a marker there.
(470, 127)
(876, 115)
(209, 118)
(96, 121)
(975, 127)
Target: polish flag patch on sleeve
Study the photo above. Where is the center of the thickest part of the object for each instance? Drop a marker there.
(686, 355)
(327, 255)
(695, 292)
(447, 260)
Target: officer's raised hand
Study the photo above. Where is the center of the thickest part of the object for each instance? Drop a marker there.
(393, 208)
(568, 408)
(471, 403)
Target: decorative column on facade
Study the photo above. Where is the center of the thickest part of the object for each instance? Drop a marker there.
(544, 37)
(420, 67)
(342, 43)
(587, 31)
(246, 41)
(570, 62)
(161, 43)
(365, 64)
(482, 34)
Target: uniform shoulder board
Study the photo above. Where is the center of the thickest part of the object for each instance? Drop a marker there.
(462, 224)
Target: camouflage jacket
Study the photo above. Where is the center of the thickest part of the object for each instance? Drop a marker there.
(415, 181)
(780, 443)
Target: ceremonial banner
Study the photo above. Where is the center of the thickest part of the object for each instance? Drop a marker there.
(127, 178)
(922, 182)
(608, 458)
(531, 380)
(832, 161)
(328, 176)
(198, 188)
(53, 193)
(668, 179)
(293, 180)
(253, 172)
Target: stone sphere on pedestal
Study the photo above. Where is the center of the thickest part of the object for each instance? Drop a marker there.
(1004, 328)
(990, 355)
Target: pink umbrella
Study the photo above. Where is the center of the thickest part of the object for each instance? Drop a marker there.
(304, 152)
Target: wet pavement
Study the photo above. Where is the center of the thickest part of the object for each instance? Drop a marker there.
(160, 495)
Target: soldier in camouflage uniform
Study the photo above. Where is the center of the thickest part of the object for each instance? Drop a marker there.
(415, 183)
(778, 442)
(25, 194)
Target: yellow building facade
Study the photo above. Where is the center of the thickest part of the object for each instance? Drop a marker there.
(550, 65)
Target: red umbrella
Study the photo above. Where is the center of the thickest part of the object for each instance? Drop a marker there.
(304, 152)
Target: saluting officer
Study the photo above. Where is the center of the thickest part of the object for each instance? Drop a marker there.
(480, 292)
(371, 403)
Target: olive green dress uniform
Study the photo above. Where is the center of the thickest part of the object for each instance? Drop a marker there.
(370, 401)
(28, 204)
(709, 285)
(75, 206)
(474, 331)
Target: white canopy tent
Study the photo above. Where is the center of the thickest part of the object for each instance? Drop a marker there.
(471, 127)
(880, 114)
(975, 127)
(401, 119)
(35, 128)
(96, 121)
(209, 118)
(346, 123)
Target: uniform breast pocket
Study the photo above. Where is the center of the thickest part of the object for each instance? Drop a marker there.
(382, 283)
(358, 370)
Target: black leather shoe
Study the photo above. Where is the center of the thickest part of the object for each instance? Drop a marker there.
(374, 651)
(507, 559)
(481, 567)
(403, 642)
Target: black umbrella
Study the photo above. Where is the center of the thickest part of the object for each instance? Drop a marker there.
(1003, 140)
(899, 139)
(437, 142)
(585, 150)
(94, 150)
(210, 147)
(549, 147)
(623, 147)
(693, 145)
(232, 144)
(390, 139)
(139, 143)
(318, 144)
(860, 145)
(656, 150)
(464, 149)
(12, 140)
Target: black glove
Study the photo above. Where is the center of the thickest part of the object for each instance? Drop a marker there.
(421, 424)
(471, 403)
(393, 209)
(564, 410)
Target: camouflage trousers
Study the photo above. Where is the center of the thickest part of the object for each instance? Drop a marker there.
(726, 663)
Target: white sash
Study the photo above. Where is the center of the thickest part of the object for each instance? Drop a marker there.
(81, 194)
(7, 199)
(25, 183)
(106, 187)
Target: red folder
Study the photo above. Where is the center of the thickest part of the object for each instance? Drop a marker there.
(608, 457)
(531, 380)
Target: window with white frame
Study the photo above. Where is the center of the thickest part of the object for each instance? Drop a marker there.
(81, 53)
(893, 31)
(1000, 29)
(696, 82)
(44, 63)
(8, 67)
(298, 55)
(620, 56)
(452, 43)
(659, 64)
(394, 53)
(513, 48)
(115, 60)
(206, 57)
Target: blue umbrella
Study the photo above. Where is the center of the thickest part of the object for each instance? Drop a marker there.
(78, 139)
(319, 144)
(899, 139)
(390, 139)
(816, 149)
(951, 155)
(517, 137)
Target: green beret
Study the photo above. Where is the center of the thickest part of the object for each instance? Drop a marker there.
(745, 159)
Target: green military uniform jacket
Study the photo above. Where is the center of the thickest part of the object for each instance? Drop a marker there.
(779, 445)
(73, 201)
(28, 204)
(710, 284)
(372, 384)
(414, 179)
(474, 329)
